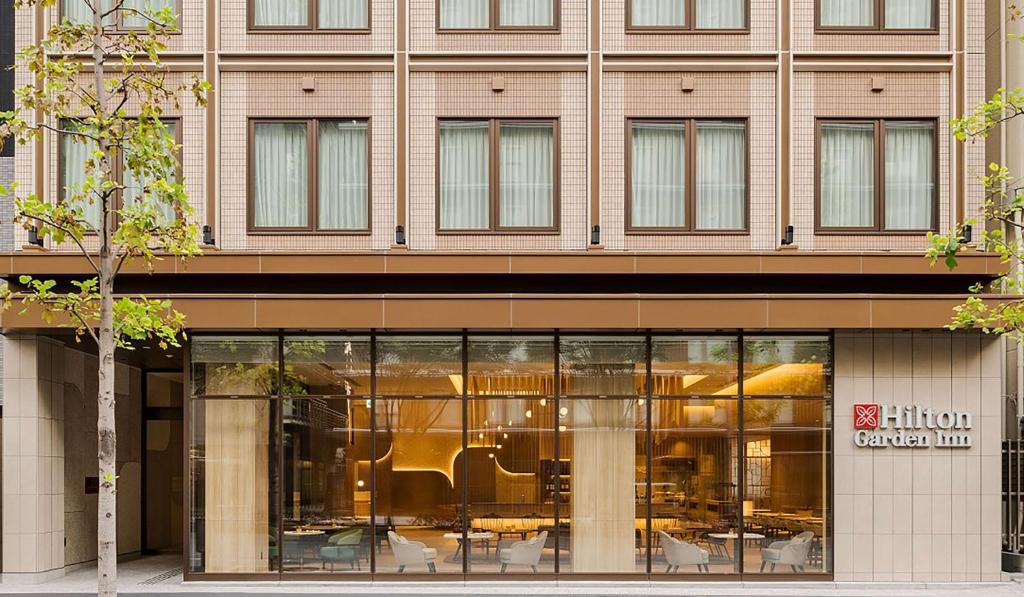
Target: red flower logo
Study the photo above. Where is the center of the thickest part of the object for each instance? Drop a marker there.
(865, 416)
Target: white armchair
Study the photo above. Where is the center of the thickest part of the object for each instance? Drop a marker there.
(523, 553)
(680, 553)
(411, 553)
(792, 552)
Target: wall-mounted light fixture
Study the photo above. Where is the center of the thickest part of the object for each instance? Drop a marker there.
(399, 235)
(787, 238)
(208, 236)
(595, 235)
(34, 238)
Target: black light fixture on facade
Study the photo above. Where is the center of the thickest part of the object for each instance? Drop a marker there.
(967, 233)
(595, 235)
(787, 239)
(399, 235)
(208, 239)
(33, 237)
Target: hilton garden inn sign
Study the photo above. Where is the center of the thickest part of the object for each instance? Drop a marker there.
(883, 425)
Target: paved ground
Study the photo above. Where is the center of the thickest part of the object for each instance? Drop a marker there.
(161, 575)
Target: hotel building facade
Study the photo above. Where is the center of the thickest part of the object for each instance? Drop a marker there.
(536, 289)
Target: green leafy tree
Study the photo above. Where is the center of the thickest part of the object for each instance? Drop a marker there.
(105, 91)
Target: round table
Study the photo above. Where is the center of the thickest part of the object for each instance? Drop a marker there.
(735, 539)
(468, 544)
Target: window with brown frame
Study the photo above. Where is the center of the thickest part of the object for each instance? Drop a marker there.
(497, 15)
(670, 16)
(309, 174)
(876, 175)
(304, 16)
(686, 175)
(497, 174)
(886, 16)
(80, 12)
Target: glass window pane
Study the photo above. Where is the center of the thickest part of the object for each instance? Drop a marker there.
(658, 13)
(419, 487)
(134, 188)
(909, 14)
(281, 13)
(694, 486)
(234, 366)
(343, 171)
(527, 13)
(326, 479)
(694, 366)
(465, 14)
(343, 14)
(233, 526)
(786, 366)
(281, 175)
(419, 366)
(909, 175)
(76, 153)
(527, 175)
(326, 366)
(511, 484)
(787, 494)
(847, 13)
(721, 175)
(603, 516)
(465, 175)
(721, 14)
(658, 175)
(149, 8)
(79, 12)
(507, 366)
(847, 164)
(603, 366)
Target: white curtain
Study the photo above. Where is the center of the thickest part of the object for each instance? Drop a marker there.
(464, 172)
(658, 13)
(658, 171)
(721, 175)
(281, 175)
(76, 151)
(133, 188)
(281, 12)
(344, 171)
(527, 175)
(847, 166)
(527, 13)
(847, 13)
(909, 14)
(78, 11)
(909, 175)
(149, 7)
(721, 14)
(465, 14)
(343, 14)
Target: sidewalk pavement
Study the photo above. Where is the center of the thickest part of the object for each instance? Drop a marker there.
(161, 575)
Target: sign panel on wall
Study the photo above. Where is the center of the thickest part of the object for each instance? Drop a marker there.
(884, 425)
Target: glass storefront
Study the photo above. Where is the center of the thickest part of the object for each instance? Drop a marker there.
(503, 455)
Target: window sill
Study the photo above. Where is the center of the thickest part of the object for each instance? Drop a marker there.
(856, 31)
(503, 232)
(863, 232)
(306, 31)
(501, 30)
(302, 232)
(681, 31)
(676, 232)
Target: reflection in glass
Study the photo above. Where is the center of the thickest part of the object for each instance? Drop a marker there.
(694, 366)
(786, 444)
(223, 366)
(233, 526)
(603, 366)
(326, 366)
(786, 366)
(511, 366)
(419, 486)
(326, 479)
(419, 366)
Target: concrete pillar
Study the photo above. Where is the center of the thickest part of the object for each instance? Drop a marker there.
(33, 460)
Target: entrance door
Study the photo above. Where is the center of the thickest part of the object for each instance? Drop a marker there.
(163, 471)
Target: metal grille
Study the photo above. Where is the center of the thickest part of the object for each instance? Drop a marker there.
(159, 578)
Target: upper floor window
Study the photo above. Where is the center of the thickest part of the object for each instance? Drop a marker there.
(309, 15)
(497, 14)
(877, 175)
(497, 174)
(686, 175)
(877, 15)
(309, 174)
(133, 13)
(687, 15)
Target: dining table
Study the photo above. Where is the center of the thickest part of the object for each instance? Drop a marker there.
(736, 540)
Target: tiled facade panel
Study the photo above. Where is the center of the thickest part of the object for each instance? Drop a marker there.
(762, 16)
(906, 95)
(975, 163)
(805, 37)
(925, 514)
(715, 95)
(455, 95)
(337, 95)
(191, 26)
(235, 38)
(571, 36)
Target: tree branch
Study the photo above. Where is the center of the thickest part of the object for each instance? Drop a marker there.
(66, 231)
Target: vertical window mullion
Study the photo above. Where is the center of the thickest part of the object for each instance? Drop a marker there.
(691, 14)
(691, 175)
(314, 14)
(494, 146)
(880, 15)
(312, 184)
(880, 175)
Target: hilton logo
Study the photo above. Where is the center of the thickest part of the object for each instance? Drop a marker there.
(882, 425)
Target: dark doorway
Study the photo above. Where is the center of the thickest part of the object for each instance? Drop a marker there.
(163, 474)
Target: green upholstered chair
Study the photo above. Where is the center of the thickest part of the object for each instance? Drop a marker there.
(343, 547)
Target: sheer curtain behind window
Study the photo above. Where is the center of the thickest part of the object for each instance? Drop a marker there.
(464, 171)
(281, 179)
(527, 13)
(465, 14)
(721, 175)
(658, 13)
(343, 14)
(527, 175)
(847, 166)
(847, 13)
(658, 173)
(149, 7)
(75, 154)
(909, 14)
(133, 188)
(721, 14)
(78, 11)
(909, 175)
(343, 176)
(269, 13)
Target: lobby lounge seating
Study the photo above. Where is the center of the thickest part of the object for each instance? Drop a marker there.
(345, 546)
(792, 552)
(411, 553)
(523, 553)
(680, 553)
